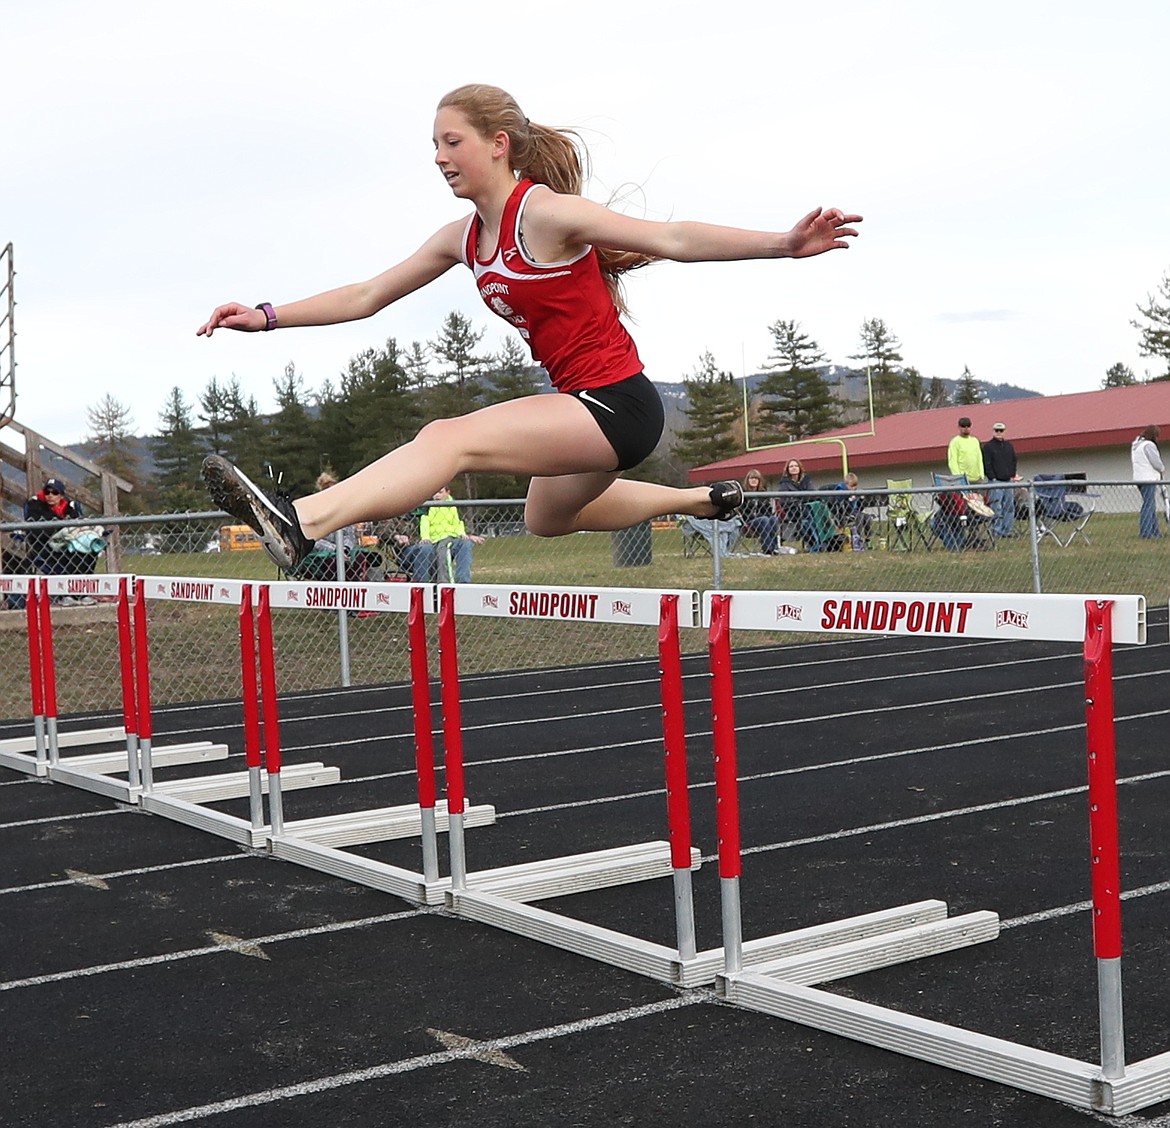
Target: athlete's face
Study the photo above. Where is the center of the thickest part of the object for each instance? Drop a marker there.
(464, 156)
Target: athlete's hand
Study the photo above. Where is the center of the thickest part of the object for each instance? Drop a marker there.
(819, 231)
(233, 316)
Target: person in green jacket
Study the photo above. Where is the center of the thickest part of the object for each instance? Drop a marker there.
(965, 453)
(442, 526)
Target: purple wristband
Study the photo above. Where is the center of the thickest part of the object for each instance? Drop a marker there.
(266, 309)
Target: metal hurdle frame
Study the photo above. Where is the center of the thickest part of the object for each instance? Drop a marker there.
(41, 754)
(501, 896)
(784, 987)
(317, 842)
(184, 800)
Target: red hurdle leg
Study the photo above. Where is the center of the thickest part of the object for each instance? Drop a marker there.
(726, 779)
(271, 717)
(678, 805)
(424, 744)
(126, 664)
(1105, 853)
(250, 697)
(452, 736)
(36, 672)
(49, 673)
(142, 681)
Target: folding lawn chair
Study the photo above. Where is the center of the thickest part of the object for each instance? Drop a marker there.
(1054, 507)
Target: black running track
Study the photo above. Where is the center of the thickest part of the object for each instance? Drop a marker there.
(154, 975)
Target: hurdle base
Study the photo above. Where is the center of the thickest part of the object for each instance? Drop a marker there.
(380, 824)
(785, 989)
(79, 737)
(708, 964)
(201, 818)
(93, 772)
(574, 873)
(18, 753)
(166, 756)
(236, 785)
(395, 880)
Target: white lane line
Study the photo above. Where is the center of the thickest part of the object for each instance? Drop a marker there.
(62, 818)
(424, 1061)
(1081, 906)
(225, 944)
(115, 874)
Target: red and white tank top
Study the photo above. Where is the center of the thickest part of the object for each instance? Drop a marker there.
(562, 309)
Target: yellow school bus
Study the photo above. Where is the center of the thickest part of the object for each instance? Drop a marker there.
(236, 538)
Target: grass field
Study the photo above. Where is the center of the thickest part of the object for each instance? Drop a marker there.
(194, 648)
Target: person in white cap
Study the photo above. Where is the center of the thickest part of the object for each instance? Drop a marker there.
(999, 464)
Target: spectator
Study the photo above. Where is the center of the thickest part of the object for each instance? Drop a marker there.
(48, 549)
(849, 512)
(442, 526)
(759, 515)
(795, 480)
(964, 454)
(999, 464)
(1147, 473)
(321, 563)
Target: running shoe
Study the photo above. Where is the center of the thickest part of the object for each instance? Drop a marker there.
(727, 497)
(273, 517)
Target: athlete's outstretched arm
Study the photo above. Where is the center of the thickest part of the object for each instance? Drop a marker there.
(574, 220)
(355, 301)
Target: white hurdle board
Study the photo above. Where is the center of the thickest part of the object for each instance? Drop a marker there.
(1016, 617)
(784, 987)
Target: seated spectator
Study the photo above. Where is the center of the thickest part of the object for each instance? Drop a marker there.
(796, 481)
(759, 515)
(849, 512)
(954, 520)
(321, 563)
(63, 551)
(442, 526)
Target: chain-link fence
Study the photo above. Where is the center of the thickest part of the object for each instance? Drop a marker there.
(1056, 535)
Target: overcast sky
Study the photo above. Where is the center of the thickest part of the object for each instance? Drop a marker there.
(1011, 160)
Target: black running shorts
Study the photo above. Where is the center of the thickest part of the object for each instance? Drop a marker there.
(629, 414)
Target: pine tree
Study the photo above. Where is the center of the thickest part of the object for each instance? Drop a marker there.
(879, 350)
(937, 394)
(968, 392)
(712, 411)
(245, 432)
(1119, 376)
(111, 430)
(797, 401)
(178, 453)
(511, 374)
(1155, 333)
(214, 411)
(459, 388)
(375, 410)
(293, 449)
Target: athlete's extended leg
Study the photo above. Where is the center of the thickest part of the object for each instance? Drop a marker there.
(544, 436)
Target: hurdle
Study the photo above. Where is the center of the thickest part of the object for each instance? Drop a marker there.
(501, 897)
(318, 842)
(41, 754)
(185, 800)
(787, 988)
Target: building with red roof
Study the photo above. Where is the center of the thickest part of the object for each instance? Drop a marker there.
(1084, 433)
